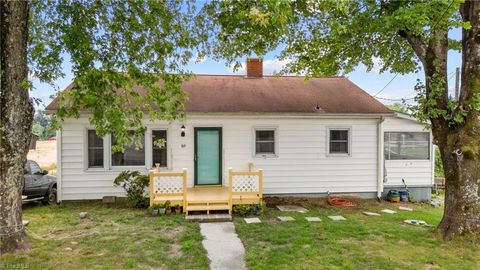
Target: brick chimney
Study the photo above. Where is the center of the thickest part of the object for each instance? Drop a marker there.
(254, 67)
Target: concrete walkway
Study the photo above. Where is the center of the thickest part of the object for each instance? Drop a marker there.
(224, 248)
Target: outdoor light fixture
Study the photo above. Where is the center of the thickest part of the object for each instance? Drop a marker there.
(183, 131)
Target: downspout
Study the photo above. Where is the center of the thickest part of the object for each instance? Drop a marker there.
(380, 158)
(59, 166)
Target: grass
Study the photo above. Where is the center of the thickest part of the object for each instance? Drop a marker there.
(361, 242)
(121, 238)
(110, 238)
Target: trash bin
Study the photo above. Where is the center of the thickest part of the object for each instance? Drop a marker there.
(403, 195)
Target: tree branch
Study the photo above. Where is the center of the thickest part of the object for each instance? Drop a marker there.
(416, 42)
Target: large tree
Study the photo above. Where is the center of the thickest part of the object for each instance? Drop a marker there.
(322, 38)
(111, 47)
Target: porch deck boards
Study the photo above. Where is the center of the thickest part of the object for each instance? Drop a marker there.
(207, 194)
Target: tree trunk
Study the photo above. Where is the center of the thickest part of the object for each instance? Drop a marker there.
(462, 200)
(460, 148)
(16, 115)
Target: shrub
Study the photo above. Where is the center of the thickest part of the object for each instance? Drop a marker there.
(258, 209)
(134, 184)
(241, 209)
(245, 209)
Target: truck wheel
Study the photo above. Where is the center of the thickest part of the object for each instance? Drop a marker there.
(51, 197)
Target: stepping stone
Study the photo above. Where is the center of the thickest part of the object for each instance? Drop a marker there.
(388, 211)
(415, 222)
(291, 208)
(313, 219)
(252, 220)
(83, 215)
(405, 208)
(336, 218)
(371, 214)
(286, 218)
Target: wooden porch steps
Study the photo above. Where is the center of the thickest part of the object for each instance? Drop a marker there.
(209, 218)
(208, 199)
(207, 206)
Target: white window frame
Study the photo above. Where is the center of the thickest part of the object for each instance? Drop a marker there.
(431, 150)
(106, 160)
(122, 167)
(275, 142)
(347, 128)
(149, 147)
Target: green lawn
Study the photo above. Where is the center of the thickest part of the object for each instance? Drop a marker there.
(111, 238)
(121, 238)
(361, 242)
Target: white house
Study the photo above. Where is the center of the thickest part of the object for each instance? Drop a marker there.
(309, 137)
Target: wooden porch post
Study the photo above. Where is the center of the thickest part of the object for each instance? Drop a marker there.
(230, 182)
(151, 189)
(184, 183)
(260, 182)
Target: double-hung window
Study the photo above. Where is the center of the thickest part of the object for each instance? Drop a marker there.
(339, 141)
(95, 149)
(407, 145)
(265, 142)
(159, 148)
(132, 155)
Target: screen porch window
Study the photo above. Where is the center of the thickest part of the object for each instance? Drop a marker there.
(407, 145)
(159, 153)
(95, 150)
(131, 156)
(265, 142)
(339, 141)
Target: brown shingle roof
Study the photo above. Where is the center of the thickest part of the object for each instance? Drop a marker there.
(270, 94)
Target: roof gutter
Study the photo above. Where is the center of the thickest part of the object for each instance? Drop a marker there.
(380, 157)
(292, 115)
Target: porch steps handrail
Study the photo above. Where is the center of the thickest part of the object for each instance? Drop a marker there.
(172, 190)
(247, 192)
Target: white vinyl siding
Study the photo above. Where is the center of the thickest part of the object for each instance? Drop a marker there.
(302, 163)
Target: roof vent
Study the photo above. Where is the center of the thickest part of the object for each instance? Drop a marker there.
(254, 67)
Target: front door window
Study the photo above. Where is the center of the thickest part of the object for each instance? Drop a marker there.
(208, 145)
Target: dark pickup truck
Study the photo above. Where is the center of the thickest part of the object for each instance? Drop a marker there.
(38, 184)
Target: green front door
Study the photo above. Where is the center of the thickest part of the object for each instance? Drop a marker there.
(208, 156)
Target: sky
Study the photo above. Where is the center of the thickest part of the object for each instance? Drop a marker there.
(402, 87)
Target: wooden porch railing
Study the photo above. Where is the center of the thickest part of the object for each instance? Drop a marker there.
(245, 187)
(168, 186)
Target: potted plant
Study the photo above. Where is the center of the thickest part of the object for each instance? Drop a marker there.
(161, 209)
(178, 209)
(168, 209)
(154, 210)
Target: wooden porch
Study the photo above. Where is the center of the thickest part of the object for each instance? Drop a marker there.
(243, 188)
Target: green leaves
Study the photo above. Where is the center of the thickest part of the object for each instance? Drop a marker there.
(326, 38)
(127, 58)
